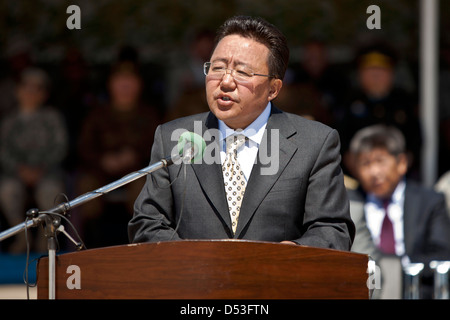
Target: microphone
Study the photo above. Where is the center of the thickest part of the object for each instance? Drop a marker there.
(190, 147)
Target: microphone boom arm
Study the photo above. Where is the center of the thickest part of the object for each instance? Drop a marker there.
(52, 224)
(196, 147)
(66, 206)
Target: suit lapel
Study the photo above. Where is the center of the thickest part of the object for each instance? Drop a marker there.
(259, 184)
(411, 209)
(208, 174)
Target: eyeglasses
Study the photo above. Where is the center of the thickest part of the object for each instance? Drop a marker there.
(216, 71)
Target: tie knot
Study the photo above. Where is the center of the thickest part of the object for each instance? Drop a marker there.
(234, 142)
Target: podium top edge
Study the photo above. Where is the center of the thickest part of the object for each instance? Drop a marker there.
(226, 242)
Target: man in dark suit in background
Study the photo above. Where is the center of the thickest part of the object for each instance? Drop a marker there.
(395, 218)
(284, 182)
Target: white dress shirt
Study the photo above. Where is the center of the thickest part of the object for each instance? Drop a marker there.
(247, 153)
(374, 213)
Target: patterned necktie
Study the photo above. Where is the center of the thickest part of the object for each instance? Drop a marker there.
(387, 240)
(233, 178)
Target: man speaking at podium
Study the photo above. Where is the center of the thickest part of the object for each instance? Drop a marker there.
(296, 197)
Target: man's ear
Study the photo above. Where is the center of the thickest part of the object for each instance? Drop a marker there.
(275, 87)
(402, 166)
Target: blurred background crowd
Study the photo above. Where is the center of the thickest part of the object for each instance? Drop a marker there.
(78, 108)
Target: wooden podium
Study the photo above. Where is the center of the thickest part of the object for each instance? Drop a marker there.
(216, 269)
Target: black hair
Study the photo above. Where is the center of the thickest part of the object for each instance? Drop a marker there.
(378, 136)
(264, 32)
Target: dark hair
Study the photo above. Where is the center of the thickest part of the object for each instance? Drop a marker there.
(378, 136)
(261, 31)
(37, 75)
(125, 67)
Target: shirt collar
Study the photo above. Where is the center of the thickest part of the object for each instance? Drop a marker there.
(399, 192)
(254, 131)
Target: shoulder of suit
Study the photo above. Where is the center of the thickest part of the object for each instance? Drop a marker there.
(418, 190)
(306, 128)
(301, 124)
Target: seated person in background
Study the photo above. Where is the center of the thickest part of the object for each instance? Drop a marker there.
(443, 185)
(114, 141)
(416, 227)
(32, 146)
(378, 99)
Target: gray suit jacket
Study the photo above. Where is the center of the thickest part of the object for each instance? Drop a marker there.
(303, 201)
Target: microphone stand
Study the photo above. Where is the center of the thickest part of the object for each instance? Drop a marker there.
(51, 222)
